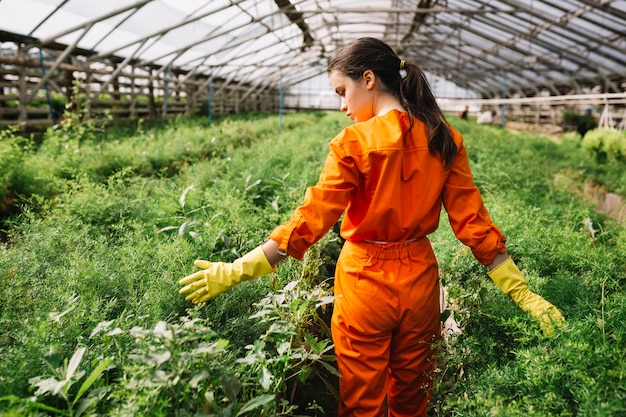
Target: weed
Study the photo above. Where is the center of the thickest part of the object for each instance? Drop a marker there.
(185, 228)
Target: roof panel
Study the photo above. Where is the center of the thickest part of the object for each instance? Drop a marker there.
(557, 40)
(12, 12)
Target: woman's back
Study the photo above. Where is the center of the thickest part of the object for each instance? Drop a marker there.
(399, 195)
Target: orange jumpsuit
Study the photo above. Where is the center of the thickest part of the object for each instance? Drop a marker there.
(386, 310)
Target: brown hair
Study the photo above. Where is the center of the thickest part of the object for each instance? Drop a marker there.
(413, 90)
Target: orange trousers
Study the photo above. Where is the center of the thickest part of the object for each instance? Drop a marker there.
(385, 325)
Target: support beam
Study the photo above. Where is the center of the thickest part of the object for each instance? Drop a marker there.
(164, 30)
(418, 18)
(91, 22)
(297, 18)
(57, 63)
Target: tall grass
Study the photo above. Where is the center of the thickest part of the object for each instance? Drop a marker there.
(101, 224)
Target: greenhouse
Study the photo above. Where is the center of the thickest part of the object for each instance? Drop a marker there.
(191, 226)
(159, 58)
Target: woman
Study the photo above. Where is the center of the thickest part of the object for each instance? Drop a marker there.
(389, 174)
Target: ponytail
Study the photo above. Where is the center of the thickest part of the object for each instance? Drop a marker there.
(417, 98)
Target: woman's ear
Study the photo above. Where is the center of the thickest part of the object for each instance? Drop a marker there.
(370, 79)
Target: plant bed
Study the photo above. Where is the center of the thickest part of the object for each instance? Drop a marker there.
(91, 267)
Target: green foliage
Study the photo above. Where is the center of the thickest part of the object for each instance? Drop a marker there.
(106, 221)
(297, 355)
(18, 177)
(89, 252)
(501, 362)
(62, 380)
(11, 160)
(582, 123)
(606, 144)
(184, 368)
(185, 228)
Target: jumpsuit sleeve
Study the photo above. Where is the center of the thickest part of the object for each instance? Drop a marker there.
(467, 213)
(323, 204)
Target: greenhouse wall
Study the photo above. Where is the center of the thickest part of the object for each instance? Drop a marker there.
(36, 89)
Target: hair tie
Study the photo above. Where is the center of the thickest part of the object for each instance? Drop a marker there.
(402, 70)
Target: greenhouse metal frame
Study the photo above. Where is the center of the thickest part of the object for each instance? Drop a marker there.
(156, 58)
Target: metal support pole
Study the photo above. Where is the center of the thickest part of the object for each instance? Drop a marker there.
(53, 115)
(503, 118)
(166, 92)
(280, 102)
(210, 99)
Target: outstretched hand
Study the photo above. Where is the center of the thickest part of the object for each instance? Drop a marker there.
(510, 280)
(217, 277)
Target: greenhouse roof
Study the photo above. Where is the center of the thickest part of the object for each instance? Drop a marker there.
(536, 46)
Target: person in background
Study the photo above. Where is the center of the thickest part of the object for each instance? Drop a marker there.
(465, 113)
(389, 174)
(486, 117)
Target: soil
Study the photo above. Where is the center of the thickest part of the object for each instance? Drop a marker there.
(611, 204)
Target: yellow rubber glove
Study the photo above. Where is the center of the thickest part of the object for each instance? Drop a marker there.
(510, 280)
(217, 277)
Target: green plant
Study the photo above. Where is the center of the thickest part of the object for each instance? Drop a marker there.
(606, 144)
(579, 122)
(11, 160)
(185, 228)
(182, 368)
(82, 253)
(76, 125)
(300, 339)
(61, 381)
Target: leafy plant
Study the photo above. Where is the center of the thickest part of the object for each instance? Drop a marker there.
(177, 367)
(606, 144)
(19, 179)
(11, 160)
(61, 381)
(298, 352)
(188, 224)
(582, 123)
